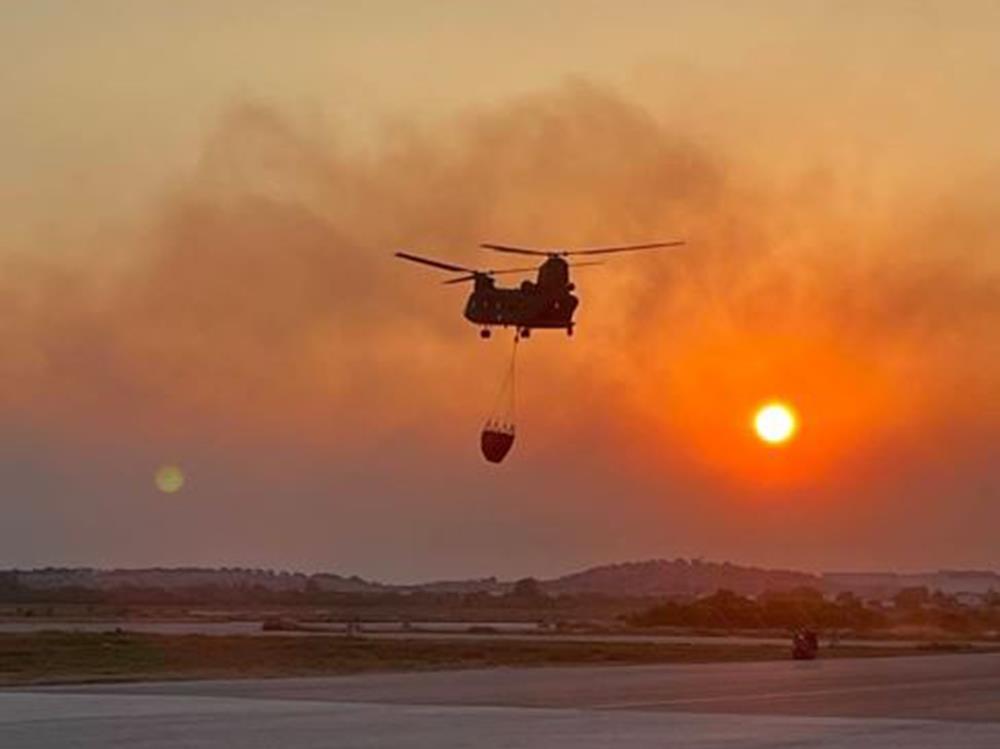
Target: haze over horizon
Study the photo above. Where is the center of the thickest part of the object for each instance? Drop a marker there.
(197, 217)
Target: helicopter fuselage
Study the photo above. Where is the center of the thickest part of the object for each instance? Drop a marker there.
(544, 303)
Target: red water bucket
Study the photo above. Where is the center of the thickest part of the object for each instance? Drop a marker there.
(496, 441)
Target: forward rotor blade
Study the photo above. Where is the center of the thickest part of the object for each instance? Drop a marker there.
(463, 279)
(433, 263)
(514, 250)
(623, 248)
(501, 272)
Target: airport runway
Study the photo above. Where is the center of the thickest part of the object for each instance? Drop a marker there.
(948, 701)
(432, 631)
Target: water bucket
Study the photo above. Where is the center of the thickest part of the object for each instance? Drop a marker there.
(496, 441)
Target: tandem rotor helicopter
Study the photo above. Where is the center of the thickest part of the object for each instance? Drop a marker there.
(546, 302)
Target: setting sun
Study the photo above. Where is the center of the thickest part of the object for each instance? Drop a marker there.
(775, 423)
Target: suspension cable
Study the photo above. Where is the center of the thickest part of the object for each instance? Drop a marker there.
(508, 387)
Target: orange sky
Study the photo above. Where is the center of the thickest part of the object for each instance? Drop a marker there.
(198, 219)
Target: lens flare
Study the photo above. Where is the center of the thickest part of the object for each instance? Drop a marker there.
(169, 479)
(775, 423)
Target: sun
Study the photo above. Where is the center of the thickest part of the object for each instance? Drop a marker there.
(775, 423)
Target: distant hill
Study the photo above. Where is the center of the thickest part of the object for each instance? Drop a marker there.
(662, 577)
(477, 585)
(186, 578)
(656, 577)
(650, 578)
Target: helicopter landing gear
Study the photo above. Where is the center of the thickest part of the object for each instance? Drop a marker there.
(485, 333)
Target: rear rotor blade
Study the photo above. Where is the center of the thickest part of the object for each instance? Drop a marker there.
(586, 251)
(504, 271)
(433, 263)
(514, 250)
(623, 248)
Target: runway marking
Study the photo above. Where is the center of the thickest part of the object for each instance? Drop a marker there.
(766, 696)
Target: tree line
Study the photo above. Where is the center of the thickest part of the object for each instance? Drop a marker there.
(808, 607)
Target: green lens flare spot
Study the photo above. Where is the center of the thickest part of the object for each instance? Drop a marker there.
(169, 479)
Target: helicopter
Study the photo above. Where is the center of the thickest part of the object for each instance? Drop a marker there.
(546, 302)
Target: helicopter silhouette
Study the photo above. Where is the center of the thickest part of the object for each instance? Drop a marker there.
(546, 302)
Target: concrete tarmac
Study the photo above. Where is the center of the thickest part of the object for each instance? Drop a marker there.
(930, 701)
